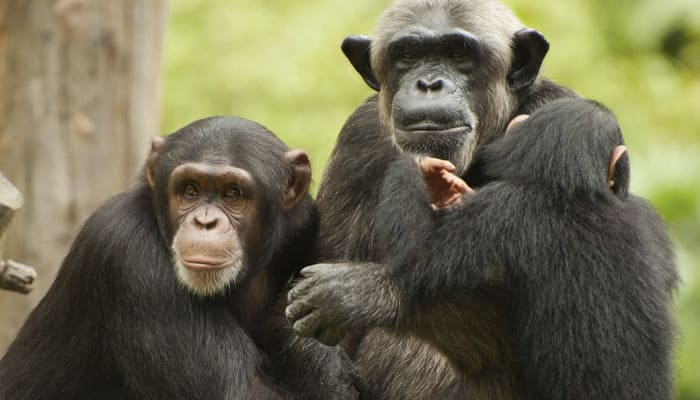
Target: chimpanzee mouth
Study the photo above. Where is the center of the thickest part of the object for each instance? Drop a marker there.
(205, 264)
(414, 131)
(434, 140)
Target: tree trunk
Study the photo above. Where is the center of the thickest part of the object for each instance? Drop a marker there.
(78, 104)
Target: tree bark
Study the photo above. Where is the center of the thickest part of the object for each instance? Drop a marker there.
(78, 104)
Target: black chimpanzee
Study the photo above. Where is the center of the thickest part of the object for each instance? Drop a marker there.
(586, 270)
(451, 74)
(169, 290)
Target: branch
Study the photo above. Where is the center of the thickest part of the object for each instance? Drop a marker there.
(13, 275)
(16, 277)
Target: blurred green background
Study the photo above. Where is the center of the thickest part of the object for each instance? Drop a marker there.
(279, 62)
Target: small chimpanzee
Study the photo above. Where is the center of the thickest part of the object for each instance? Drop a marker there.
(585, 269)
(169, 291)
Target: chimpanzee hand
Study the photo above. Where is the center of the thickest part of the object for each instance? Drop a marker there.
(334, 299)
(444, 186)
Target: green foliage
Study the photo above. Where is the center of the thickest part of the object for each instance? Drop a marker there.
(276, 62)
(279, 63)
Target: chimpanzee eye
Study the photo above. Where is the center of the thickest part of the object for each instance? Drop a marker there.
(406, 59)
(458, 57)
(190, 190)
(232, 191)
(464, 62)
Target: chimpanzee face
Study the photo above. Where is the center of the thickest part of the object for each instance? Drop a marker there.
(212, 210)
(448, 82)
(222, 187)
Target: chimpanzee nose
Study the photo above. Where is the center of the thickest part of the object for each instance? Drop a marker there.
(206, 219)
(434, 85)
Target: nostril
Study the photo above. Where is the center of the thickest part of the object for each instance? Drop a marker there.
(205, 223)
(210, 226)
(422, 85)
(436, 85)
(432, 86)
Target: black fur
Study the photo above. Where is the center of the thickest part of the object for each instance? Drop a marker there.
(399, 366)
(117, 325)
(584, 272)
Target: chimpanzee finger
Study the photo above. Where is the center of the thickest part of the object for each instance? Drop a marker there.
(297, 310)
(307, 326)
(314, 269)
(453, 200)
(302, 287)
(431, 165)
(444, 165)
(456, 183)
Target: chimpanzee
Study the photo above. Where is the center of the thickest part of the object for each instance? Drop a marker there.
(585, 269)
(450, 74)
(169, 291)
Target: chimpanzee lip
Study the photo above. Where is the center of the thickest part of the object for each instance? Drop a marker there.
(204, 264)
(419, 129)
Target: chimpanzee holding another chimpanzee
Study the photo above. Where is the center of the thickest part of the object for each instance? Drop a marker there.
(586, 270)
(169, 291)
(450, 75)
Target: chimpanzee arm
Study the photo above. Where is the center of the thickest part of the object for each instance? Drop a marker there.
(309, 368)
(427, 255)
(336, 297)
(448, 270)
(404, 217)
(436, 253)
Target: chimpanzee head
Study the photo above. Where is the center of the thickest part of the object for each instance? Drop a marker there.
(448, 72)
(571, 146)
(226, 192)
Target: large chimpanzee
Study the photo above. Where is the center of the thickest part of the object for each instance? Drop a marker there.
(450, 74)
(586, 269)
(169, 290)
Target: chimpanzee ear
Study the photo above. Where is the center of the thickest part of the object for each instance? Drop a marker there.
(619, 170)
(300, 179)
(157, 146)
(529, 48)
(357, 50)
